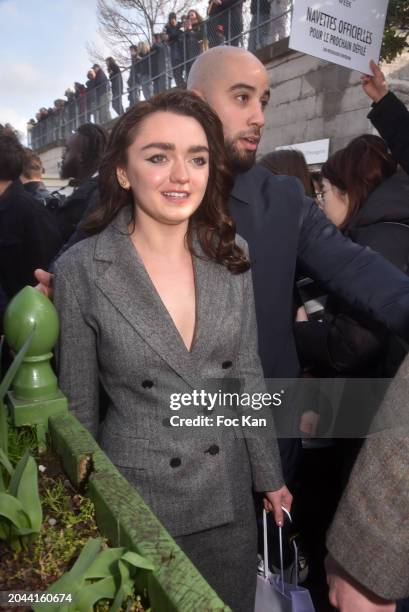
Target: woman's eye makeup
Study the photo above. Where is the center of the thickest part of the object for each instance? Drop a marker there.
(199, 161)
(157, 159)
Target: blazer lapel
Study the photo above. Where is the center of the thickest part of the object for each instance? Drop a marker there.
(127, 285)
(211, 303)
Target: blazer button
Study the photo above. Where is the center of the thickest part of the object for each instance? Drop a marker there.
(213, 449)
(175, 462)
(227, 364)
(147, 384)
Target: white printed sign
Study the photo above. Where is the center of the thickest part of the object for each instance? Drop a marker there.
(315, 151)
(345, 32)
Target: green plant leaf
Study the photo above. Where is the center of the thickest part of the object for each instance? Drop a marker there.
(137, 560)
(12, 371)
(3, 426)
(4, 460)
(1, 350)
(67, 585)
(72, 582)
(125, 587)
(86, 557)
(24, 486)
(12, 509)
(90, 594)
(105, 564)
(17, 473)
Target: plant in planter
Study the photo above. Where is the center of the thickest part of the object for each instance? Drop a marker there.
(97, 574)
(20, 507)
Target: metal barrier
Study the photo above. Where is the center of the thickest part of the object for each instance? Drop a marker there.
(165, 66)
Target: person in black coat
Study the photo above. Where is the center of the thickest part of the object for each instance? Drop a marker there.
(225, 22)
(115, 76)
(143, 68)
(80, 162)
(158, 64)
(174, 34)
(133, 82)
(389, 115)
(91, 95)
(193, 37)
(101, 85)
(29, 237)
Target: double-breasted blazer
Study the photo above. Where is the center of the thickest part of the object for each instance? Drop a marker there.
(115, 330)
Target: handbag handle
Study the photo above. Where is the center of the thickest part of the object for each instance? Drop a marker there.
(280, 537)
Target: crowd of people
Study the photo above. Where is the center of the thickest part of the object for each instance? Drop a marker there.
(157, 66)
(143, 263)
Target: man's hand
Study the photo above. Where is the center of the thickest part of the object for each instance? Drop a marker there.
(347, 595)
(45, 282)
(301, 315)
(374, 86)
(273, 500)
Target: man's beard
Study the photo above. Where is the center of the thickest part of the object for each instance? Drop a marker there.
(240, 160)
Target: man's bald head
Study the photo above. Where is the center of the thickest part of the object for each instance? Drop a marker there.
(235, 84)
(212, 66)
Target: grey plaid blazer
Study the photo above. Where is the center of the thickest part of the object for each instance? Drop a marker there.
(115, 330)
(369, 536)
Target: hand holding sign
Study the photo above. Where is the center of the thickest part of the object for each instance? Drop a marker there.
(374, 86)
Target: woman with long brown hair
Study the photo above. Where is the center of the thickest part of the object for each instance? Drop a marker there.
(157, 306)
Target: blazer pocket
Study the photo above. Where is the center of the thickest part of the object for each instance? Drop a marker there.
(124, 451)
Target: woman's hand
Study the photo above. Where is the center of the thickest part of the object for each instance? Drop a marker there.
(273, 500)
(374, 86)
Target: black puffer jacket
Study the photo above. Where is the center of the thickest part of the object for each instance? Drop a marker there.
(345, 341)
(391, 118)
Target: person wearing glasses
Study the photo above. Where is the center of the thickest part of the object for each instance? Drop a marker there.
(365, 196)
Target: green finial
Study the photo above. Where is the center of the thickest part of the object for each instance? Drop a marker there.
(35, 394)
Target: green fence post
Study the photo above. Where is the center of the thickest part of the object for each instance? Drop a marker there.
(35, 394)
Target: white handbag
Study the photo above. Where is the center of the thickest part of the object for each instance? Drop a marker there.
(275, 595)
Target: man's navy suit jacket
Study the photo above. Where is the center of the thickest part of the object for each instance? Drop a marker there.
(280, 225)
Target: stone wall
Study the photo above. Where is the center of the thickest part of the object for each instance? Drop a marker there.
(312, 99)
